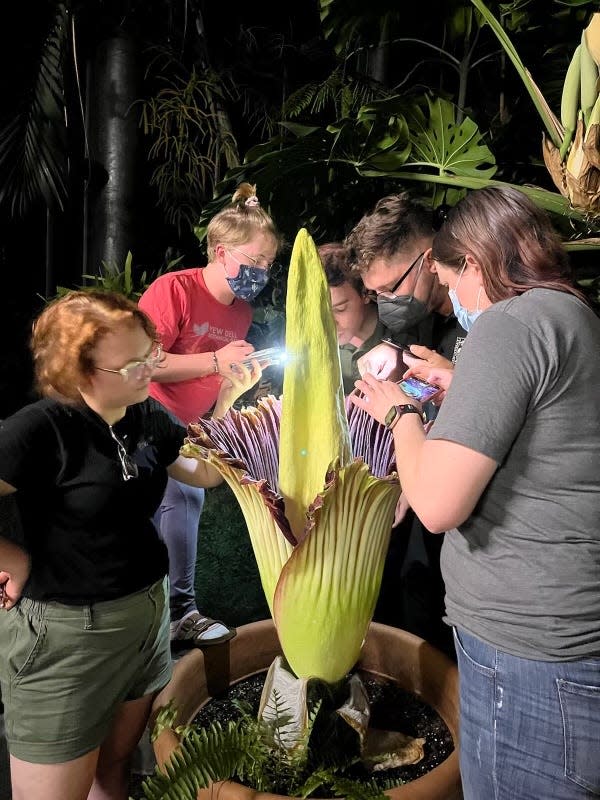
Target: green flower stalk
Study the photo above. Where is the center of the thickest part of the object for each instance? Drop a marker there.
(313, 476)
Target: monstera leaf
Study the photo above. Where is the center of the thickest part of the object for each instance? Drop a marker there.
(310, 173)
(389, 143)
(441, 143)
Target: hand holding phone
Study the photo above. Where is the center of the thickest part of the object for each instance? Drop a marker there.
(381, 361)
(267, 357)
(404, 351)
(420, 390)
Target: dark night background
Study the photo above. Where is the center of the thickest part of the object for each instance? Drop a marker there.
(36, 257)
(265, 61)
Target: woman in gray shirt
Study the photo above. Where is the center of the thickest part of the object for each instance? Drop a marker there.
(511, 468)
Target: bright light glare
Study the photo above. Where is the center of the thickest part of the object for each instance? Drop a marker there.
(270, 356)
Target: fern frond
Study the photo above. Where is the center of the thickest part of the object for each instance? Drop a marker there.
(205, 755)
(247, 751)
(356, 790)
(299, 101)
(165, 719)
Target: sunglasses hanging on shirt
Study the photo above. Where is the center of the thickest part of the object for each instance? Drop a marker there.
(128, 466)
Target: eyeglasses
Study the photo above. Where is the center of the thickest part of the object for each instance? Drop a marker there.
(255, 262)
(392, 292)
(137, 369)
(129, 468)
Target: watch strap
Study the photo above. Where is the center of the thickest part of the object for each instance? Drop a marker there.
(401, 410)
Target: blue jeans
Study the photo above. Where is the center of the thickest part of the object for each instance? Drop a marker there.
(177, 521)
(529, 730)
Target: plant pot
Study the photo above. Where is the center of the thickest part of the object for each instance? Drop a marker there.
(388, 654)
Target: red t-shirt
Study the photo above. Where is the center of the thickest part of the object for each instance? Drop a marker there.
(190, 320)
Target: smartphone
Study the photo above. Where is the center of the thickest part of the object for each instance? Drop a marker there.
(420, 390)
(270, 356)
(403, 349)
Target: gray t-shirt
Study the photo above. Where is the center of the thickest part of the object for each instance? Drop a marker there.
(523, 572)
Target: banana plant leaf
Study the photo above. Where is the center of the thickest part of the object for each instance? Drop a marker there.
(550, 201)
(552, 124)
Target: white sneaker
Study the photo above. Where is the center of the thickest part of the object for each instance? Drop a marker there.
(196, 630)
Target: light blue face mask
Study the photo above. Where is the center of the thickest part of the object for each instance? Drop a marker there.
(465, 317)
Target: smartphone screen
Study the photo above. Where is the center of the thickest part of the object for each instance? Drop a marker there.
(420, 390)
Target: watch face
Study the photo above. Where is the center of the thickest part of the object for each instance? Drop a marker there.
(390, 416)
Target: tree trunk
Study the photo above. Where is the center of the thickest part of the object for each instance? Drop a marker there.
(112, 129)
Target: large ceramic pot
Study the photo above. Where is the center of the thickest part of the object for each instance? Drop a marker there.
(388, 654)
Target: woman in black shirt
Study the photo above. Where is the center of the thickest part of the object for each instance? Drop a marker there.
(84, 633)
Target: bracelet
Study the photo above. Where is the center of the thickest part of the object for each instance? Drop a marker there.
(215, 364)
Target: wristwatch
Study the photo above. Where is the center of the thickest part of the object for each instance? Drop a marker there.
(395, 412)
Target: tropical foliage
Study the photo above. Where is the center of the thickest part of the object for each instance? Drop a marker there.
(111, 277)
(315, 484)
(327, 106)
(249, 750)
(332, 111)
(33, 142)
(426, 138)
(316, 487)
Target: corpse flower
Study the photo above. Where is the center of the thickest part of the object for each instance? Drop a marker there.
(313, 477)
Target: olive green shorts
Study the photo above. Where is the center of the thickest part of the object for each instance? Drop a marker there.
(64, 670)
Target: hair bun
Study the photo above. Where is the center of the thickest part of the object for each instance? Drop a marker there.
(245, 194)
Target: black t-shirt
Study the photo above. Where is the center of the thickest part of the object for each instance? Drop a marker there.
(89, 532)
(439, 333)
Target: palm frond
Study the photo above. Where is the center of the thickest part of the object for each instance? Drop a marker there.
(300, 101)
(191, 141)
(33, 158)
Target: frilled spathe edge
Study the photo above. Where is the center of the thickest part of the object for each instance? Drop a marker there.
(326, 594)
(252, 436)
(243, 448)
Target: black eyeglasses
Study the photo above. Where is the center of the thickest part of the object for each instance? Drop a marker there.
(129, 468)
(392, 292)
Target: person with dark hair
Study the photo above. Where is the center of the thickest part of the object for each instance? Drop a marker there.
(389, 249)
(84, 622)
(203, 316)
(510, 469)
(358, 326)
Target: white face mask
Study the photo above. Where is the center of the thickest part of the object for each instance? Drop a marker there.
(465, 317)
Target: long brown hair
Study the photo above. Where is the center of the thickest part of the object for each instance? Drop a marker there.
(510, 238)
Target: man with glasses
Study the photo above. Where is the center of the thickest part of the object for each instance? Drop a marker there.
(203, 316)
(390, 249)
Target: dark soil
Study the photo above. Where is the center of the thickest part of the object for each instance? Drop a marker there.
(392, 708)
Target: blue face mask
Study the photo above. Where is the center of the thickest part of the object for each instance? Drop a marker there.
(465, 317)
(249, 282)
